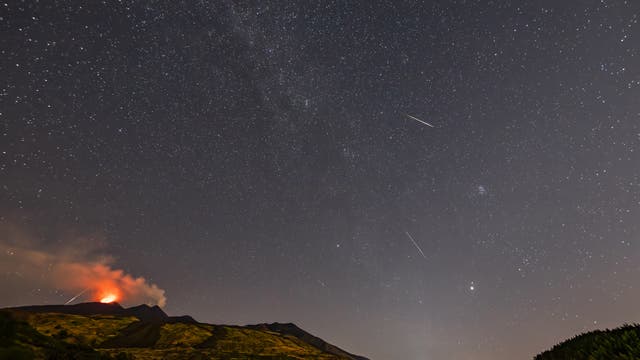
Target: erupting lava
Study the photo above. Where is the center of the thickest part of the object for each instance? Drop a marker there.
(108, 299)
(107, 292)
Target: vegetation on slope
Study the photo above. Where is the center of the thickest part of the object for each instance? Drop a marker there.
(53, 335)
(19, 340)
(622, 343)
(90, 330)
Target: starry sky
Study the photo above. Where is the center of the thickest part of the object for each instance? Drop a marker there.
(259, 162)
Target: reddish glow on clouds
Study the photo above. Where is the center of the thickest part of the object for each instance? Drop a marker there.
(107, 284)
(92, 277)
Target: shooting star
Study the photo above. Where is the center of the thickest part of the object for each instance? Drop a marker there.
(75, 297)
(416, 245)
(416, 119)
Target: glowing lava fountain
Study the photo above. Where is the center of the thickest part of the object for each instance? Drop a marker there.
(108, 299)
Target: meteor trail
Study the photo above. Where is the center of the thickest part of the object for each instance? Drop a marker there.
(75, 297)
(416, 245)
(416, 119)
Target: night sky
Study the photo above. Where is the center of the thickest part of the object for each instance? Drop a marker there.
(261, 161)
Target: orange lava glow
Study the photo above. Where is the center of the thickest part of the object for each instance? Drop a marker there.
(108, 299)
(107, 291)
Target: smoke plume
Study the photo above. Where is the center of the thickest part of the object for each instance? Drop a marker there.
(78, 269)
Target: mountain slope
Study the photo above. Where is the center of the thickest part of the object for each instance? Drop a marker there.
(292, 329)
(622, 343)
(143, 332)
(19, 340)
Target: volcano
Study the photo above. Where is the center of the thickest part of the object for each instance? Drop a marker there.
(108, 330)
(142, 312)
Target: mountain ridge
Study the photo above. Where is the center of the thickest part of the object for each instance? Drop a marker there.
(143, 312)
(147, 332)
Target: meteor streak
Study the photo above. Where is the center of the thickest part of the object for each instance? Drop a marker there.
(75, 297)
(416, 119)
(416, 245)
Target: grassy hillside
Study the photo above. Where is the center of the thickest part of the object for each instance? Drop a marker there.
(622, 343)
(19, 340)
(44, 335)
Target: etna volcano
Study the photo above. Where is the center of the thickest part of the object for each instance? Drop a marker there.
(98, 330)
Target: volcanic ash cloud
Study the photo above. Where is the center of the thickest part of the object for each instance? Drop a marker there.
(84, 273)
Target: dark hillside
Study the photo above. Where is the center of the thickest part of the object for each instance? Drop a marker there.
(106, 331)
(622, 343)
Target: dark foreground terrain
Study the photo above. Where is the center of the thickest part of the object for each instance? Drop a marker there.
(622, 343)
(109, 331)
